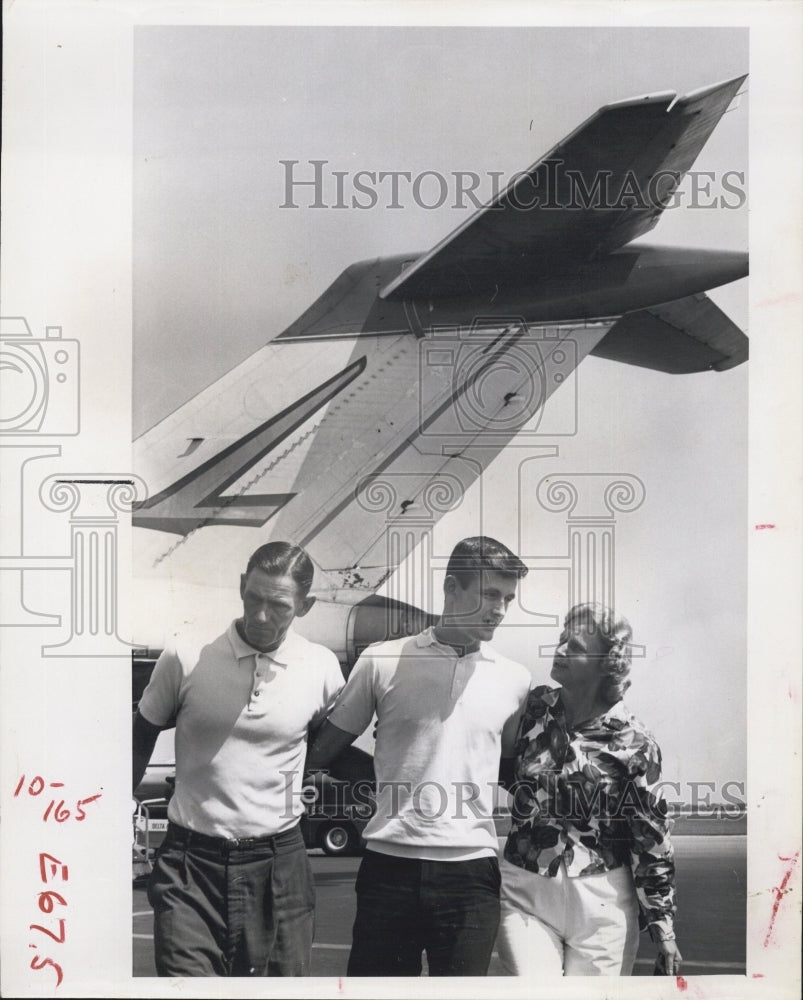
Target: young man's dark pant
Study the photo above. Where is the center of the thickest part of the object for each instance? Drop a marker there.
(232, 908)
(450, 909)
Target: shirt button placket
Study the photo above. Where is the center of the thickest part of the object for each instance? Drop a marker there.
(457, 678)
(255, 692)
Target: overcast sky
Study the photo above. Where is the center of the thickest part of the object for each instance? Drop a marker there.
(220, 268)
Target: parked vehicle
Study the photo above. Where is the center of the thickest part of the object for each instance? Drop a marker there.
(336, 814)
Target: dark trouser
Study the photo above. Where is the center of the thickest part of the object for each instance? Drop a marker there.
(232, 908)
(450, 909)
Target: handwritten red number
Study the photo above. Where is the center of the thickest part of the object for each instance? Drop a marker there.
(61, 813)
(83, 802)
(58, 811)
(46, 900)
(35, 787)
(47, 961)
(44, 930)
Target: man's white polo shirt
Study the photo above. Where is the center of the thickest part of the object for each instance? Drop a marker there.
(442, 722)
(241, 729)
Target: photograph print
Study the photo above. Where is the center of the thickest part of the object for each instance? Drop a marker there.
(353, 305)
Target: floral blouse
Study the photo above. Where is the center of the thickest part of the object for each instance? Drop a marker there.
(589, 797)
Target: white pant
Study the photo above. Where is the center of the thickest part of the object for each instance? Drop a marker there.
(585, 926)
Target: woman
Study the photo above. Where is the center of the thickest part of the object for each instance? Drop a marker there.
(588, 857)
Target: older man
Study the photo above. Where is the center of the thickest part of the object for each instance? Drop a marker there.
(445, 706)
(232, 890)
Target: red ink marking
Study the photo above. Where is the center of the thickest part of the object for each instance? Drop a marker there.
(764, 527)
(46, 903)
(779, 894)
(43, 963)
(83, 802)
(681, 983)
(779, 300)
(80, 815)
(55, 864)
(58, 939)
(62, 812)
(758, 975)
(339, 984)
(59, 811)
(50, 867)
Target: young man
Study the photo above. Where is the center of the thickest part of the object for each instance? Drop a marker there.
(232, 890)
(446, 706)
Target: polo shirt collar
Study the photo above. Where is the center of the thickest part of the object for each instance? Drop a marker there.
(282, 654)
(428, 638)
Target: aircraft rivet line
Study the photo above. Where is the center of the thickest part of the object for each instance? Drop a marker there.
(209, 519)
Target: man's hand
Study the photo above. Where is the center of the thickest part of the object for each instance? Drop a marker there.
(353, 765)
(507, 772)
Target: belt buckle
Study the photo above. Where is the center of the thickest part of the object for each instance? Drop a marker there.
(238, 843)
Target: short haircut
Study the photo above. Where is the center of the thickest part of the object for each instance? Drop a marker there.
(616, 634)
(284, 559)
(473, 555)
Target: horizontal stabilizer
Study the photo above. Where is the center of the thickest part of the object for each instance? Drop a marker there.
(601, 187)
(680, 337)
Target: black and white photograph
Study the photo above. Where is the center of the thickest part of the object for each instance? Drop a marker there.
(403, 411)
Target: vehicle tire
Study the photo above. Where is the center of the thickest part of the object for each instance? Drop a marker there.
(337, 839)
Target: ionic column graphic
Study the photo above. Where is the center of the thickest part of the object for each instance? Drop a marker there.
(591, 502)
(410, 520)
(94, 503)
(13, 561)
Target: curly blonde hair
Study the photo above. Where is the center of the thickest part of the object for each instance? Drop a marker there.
(616, 633)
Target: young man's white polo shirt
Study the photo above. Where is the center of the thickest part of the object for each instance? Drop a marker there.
(442, 722)
(241, 729)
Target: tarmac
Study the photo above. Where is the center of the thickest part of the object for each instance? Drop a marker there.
(711, 920)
